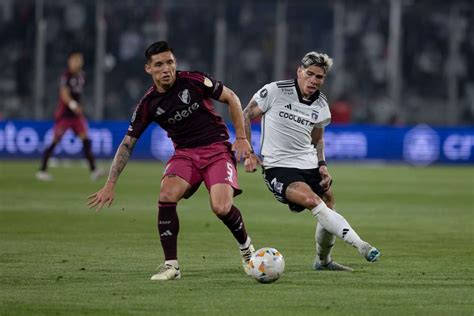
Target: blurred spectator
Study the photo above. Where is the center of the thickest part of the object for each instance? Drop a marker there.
(434, 47)
(341, 111)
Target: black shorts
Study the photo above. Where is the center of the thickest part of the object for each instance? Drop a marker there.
(278, 179)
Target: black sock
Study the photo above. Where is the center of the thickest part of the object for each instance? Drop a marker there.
(46, 155)
(233, 220)
(86, 146)
(168, 228)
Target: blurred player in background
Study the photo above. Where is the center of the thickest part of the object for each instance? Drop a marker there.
(70, 115)
(180, 102)
(294, 115)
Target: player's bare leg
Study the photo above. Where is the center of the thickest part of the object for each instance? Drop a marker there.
(172, 190)
(300, 193)
(221, 198)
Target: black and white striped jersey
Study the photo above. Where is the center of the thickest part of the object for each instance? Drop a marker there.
(287, 123)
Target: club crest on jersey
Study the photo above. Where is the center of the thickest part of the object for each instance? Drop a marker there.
(184, 96)
(314, 115)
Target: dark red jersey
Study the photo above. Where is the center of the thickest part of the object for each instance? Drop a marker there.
(75, 83)
(185, 111)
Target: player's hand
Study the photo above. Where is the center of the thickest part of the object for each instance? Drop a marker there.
(242, 148)
(326, 178)
(251, 162)
(104, 196)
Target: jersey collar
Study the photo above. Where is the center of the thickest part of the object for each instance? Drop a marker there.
(313, 97)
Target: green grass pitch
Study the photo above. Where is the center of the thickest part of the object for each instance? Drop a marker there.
(58, 257)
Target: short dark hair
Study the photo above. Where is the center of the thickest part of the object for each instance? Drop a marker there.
(73, 52)
(156, 48)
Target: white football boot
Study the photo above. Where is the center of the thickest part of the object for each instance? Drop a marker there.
(331, 266)
(44, 176)
(246, 253)
(167, 272)
(370, 253)
(97, 174)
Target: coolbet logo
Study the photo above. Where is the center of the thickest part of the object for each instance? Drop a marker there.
(295, 118)
(180, 114)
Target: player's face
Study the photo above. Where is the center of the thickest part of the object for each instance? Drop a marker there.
(310, 79)
(75, 62)
(162, 68)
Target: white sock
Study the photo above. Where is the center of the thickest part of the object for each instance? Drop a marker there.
(247, 243)
(324, 244)
(174, 263)
(337, 225)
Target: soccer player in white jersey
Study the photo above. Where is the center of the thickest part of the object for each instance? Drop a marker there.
(294, 115)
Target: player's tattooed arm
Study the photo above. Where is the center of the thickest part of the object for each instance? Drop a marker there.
(106, 195)
(251, 111)
(121, 158)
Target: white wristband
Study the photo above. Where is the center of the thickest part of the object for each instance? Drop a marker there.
(72, 104)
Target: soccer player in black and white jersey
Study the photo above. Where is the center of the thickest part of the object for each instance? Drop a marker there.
(294, 114)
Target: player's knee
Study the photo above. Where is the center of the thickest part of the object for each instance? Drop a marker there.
(221, 208)
(311, 202)
(169, 195)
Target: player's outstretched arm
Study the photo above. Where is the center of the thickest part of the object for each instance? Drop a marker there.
(105, 196)
(241, 147)
(251, 111)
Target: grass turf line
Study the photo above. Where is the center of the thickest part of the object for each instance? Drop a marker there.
(58, 257)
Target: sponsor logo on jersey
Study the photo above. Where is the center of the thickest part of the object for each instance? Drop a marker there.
(184, 96)
(182, 114)
(159, 111)
(288, 106)
(134, 116)
(263, 93)
(295, 118)
(288, 91)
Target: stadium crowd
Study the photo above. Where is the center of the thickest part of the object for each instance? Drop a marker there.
(428, 61)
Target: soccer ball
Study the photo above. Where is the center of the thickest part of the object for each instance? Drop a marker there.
(266, 265)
